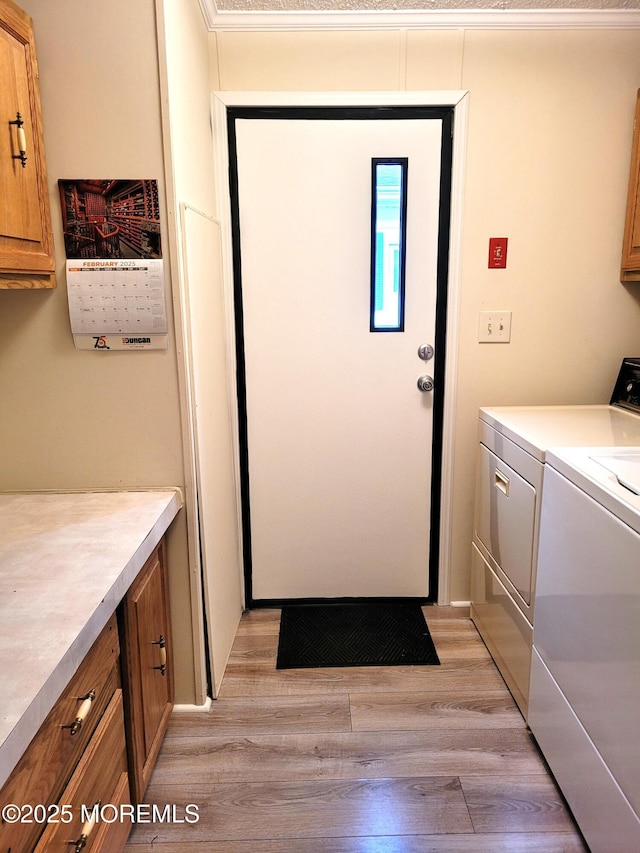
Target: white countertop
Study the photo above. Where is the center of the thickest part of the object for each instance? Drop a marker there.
(66, 561)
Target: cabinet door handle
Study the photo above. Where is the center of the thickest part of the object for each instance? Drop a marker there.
(22, 141)
(161, 643)
(83, 711)
(501, 482)
(87, 829)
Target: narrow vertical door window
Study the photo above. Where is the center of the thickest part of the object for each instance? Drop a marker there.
(388, 236)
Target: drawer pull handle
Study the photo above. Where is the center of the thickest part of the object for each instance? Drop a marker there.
(83, 711)
(22, 141)
(501, 482)
(161, 643)
(87, 829)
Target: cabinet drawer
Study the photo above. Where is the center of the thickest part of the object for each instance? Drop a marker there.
(506, 506)
(100, 779)
(113, 836)
(43, 770)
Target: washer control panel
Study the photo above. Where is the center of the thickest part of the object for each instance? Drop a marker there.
(626, 392)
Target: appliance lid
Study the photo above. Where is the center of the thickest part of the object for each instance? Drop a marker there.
(626, 392)
(583, 466)
(624, 466)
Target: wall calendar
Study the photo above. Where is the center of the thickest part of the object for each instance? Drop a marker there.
(115, 278)
(117, 304)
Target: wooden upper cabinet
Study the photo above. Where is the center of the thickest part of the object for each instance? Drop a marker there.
(630, 270)
(26, 241)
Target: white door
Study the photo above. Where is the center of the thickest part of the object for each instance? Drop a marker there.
(338, 435)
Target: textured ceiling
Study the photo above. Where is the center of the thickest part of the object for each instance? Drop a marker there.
(434, 14)
(412, 5)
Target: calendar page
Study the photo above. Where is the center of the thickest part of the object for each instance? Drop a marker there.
(117, 304)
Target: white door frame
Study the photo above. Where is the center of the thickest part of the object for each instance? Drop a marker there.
(457, 99)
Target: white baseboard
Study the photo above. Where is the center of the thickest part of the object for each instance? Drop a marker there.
(460, 603)
(181, 709)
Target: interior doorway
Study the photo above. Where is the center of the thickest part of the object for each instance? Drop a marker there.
(255, 363)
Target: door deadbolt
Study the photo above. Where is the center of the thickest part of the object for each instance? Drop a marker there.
(425, 383)
(425, 352)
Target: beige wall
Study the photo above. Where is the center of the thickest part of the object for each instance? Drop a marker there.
(548, 153)
(88, 420)
(547, 164)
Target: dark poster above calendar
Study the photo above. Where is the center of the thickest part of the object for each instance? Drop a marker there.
(114, 219)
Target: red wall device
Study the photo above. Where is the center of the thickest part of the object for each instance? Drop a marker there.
(497, 253)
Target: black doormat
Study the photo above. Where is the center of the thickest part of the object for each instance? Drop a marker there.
(363, 634)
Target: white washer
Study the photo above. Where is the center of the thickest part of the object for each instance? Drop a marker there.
(513, 447)
(585, 675)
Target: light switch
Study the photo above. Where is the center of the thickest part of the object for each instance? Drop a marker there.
(495, 327)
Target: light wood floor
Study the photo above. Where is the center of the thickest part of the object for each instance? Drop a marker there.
(362, 760)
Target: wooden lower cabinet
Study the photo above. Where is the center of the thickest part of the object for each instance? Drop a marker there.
(123, 692)
(52, 756)
(147, 668)
(98, 783)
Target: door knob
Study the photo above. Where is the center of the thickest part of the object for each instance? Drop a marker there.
(425, 383)
(425, 352)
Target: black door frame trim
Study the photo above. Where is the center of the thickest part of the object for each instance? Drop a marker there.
(446, 114)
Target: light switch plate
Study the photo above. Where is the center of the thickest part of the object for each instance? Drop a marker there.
(495, 327)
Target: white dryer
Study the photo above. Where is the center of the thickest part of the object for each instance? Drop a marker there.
(585, 675)
(514, 442)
